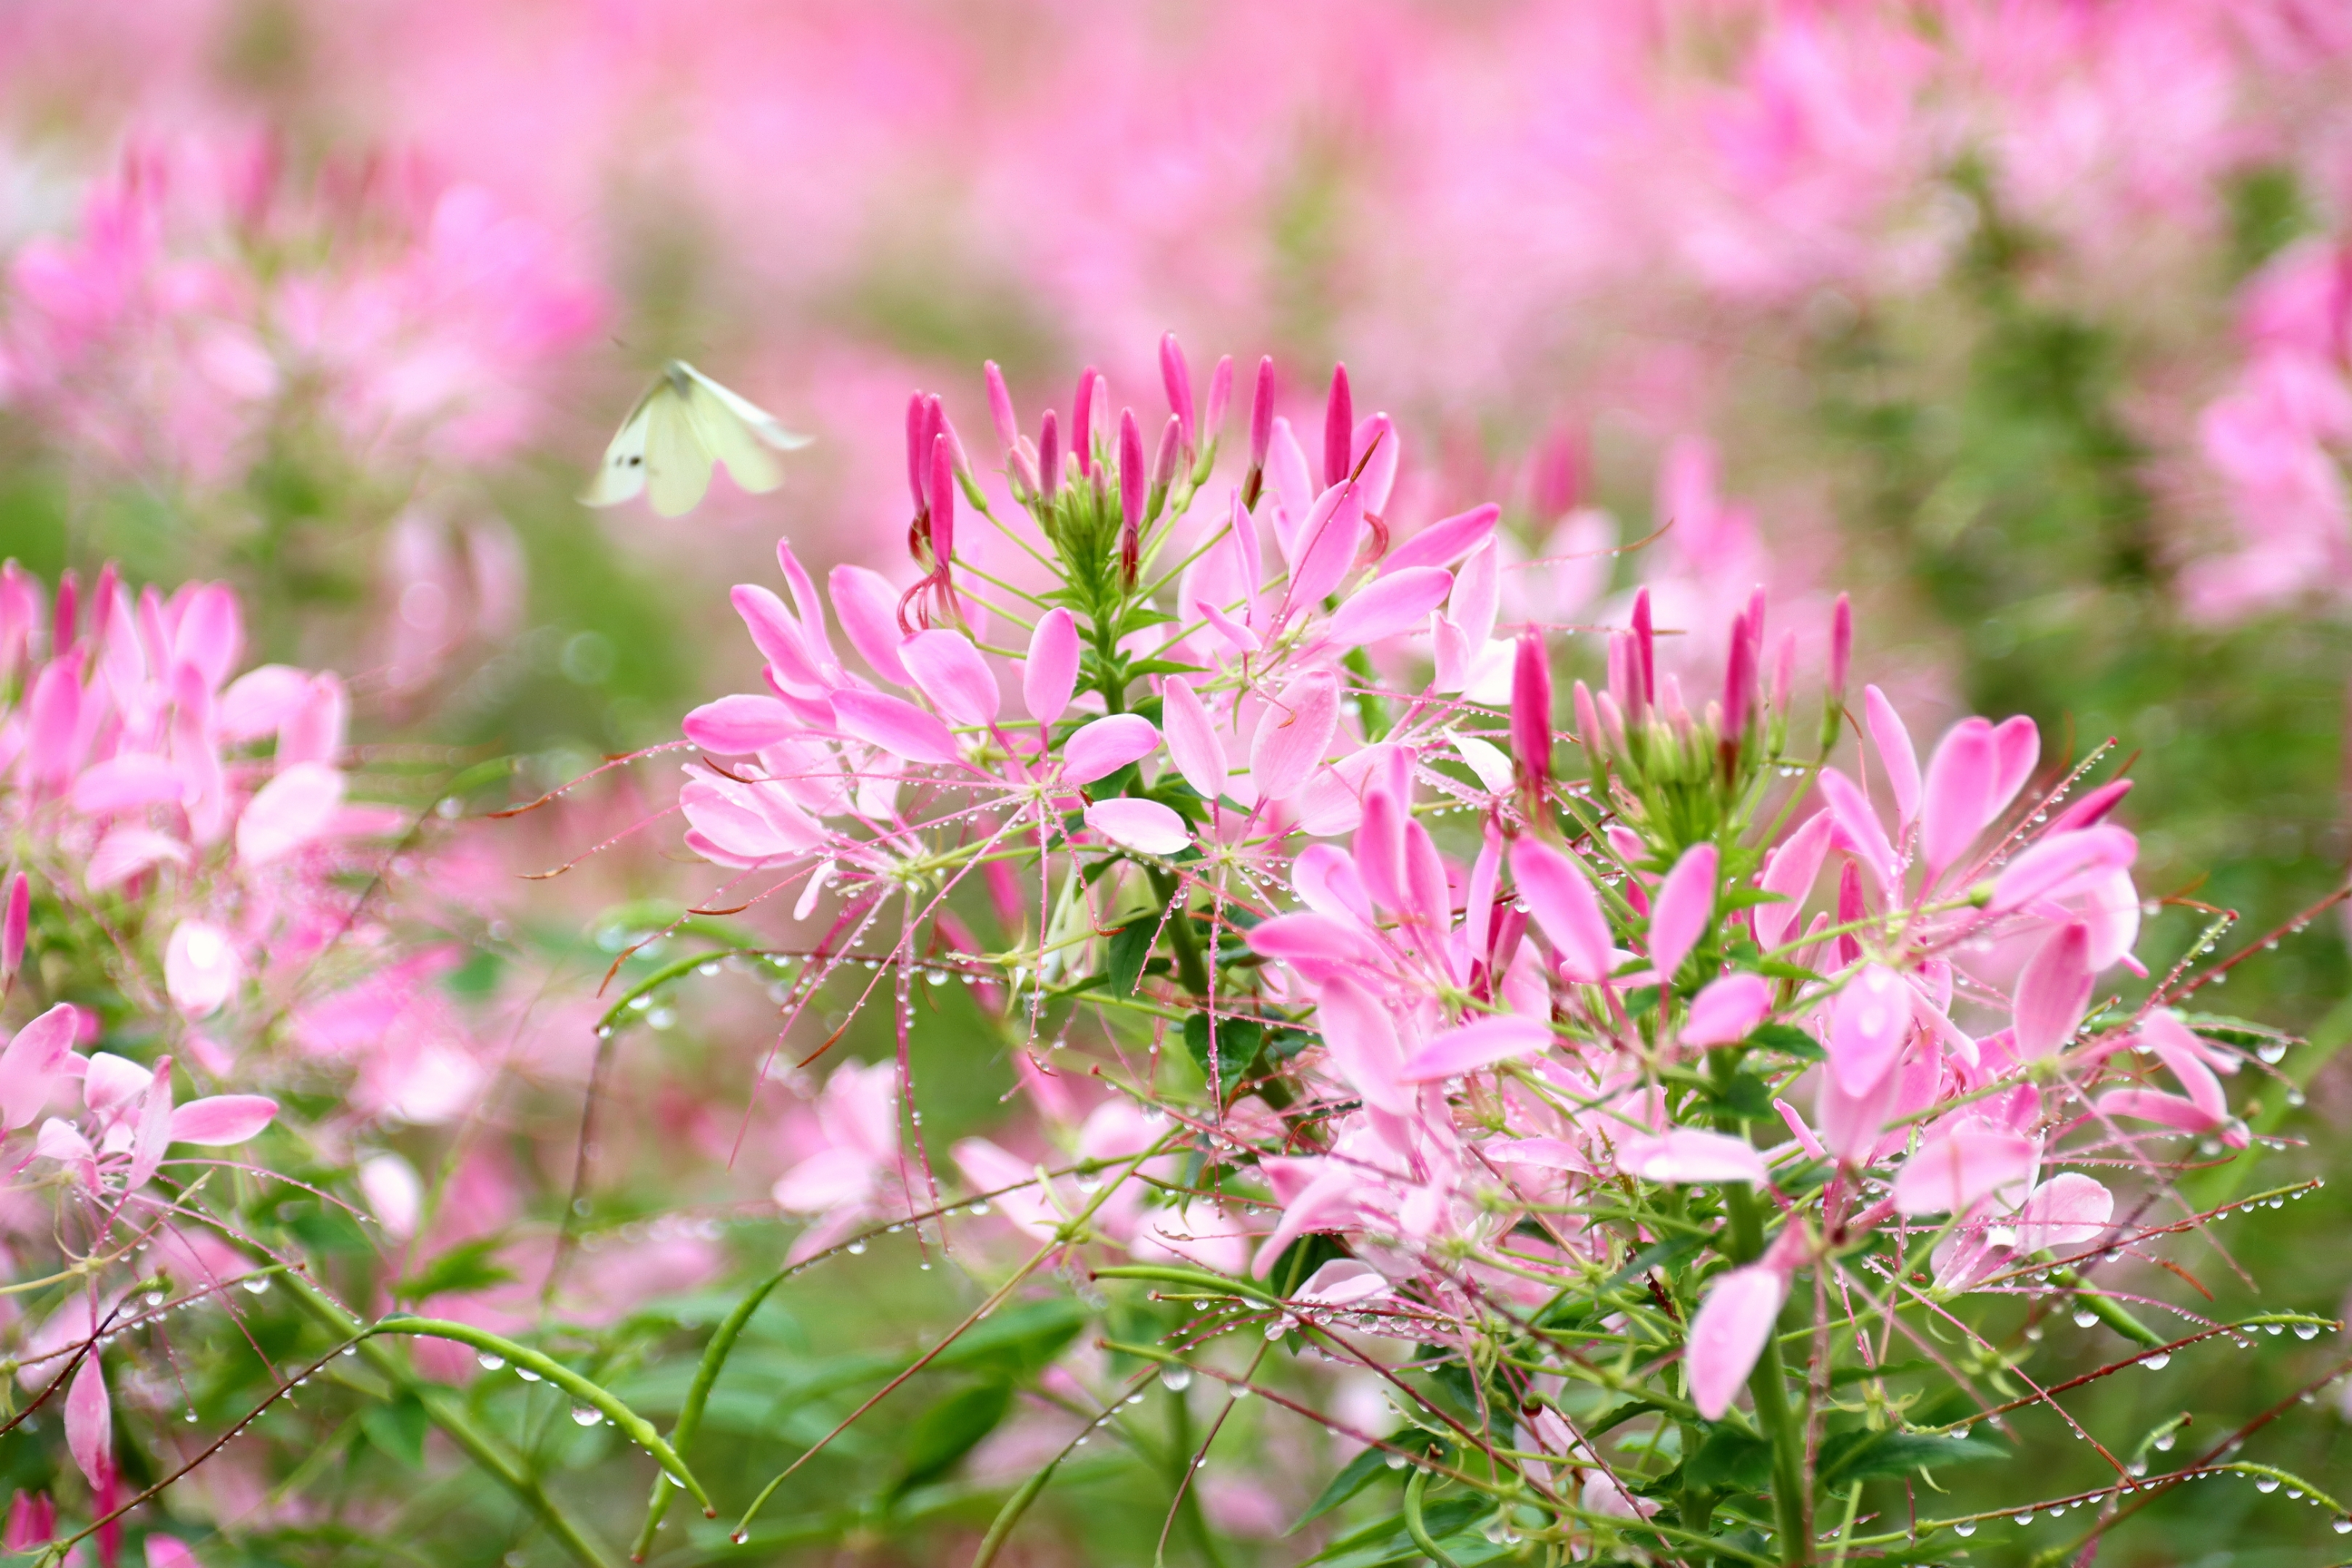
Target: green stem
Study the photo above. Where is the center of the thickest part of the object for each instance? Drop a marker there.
(2110, 1312)
(442, 1410)
(1769, 1387)
(1413, 1525)
(697, 1395)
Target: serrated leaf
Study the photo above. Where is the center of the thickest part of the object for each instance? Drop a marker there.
(1851, 1457)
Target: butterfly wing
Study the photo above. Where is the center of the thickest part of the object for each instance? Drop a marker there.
(731, 440)
(622, 472)
(761, 423)
(677, 463)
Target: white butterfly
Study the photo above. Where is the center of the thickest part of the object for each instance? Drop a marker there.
(683, 424)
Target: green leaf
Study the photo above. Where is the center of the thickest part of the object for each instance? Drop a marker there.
(1129, 951)
(1017, 1343)
(398, 1428)
(1354, 1477)
(469, 1265)
(1239, 1040)
(1746, 1097)
(1851, 1457)
(951, 1429)
(1730, 1459)
(1386, 1540)
(1786, 1038)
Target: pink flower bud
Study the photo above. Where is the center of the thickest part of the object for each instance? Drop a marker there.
(1738, 681)
(1000, 409)
(64, 624)
(1173, 443)
(1131, 483)
(1177, 377)
(1020, 472)
(1646, 651)
(917, 450)
(943, 498)
(18, 921)
(1338, 428)
(1221, 397)
(1049, 456)
(1262, 414)
(1840, 648)
(1082, 414)
(1588, 720)
(1531, 710)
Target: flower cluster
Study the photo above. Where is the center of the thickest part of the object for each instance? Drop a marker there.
(1560, 1077)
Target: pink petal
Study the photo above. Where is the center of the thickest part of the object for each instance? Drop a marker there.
(2069, 1209)
(288, 811)
(1727, 1011)
(896, 725)
(1238, 637)
(868, 607)
(1051, 673)
(2017, 746)
(1327, 544)
(126, 783)
(740, 725)
(1474, 1046)
(1193, 742)
(1684, 909)
(1893, 743)
(200, 968)
(1317, 945)
(154, 1134)
(221, 1118)
(1343, 1282)
(1379, 850)
(949, 671)
(2155, 1105)
(1957, 799)
(1105, 746)
(1360, 1038)
(1445, 541)
(1853, 811)
(90, 1422)
(1727, 1333)
(1559, 896)
(2061, 865)
(777, 635)
(2052, 993)
(1547, 1154)
(1293, 735)
(1144, 825)
(1951, 1173)
(29, 1065)
(1688, 1154)
(1872, 1020)
(1392, 604)
(1791, 872)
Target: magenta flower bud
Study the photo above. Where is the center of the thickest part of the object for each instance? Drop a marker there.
(1132, 481)
(1262, 414)
(962, 467)
(1049, 456)
(1082, 413)
(919, 451)
(1177, 377)
(943, 504)
(1625, 680)
(1738, 681)
(18, 921)
(1645, 652)
(1163, 461)
(1755, 619)
(1531, 711)
(1221, 397)
(1338, 428)
(1784, 671)
(1841, 646)
(1000, 409)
